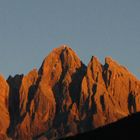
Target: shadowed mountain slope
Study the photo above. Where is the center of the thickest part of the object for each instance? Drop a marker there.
(127, 129)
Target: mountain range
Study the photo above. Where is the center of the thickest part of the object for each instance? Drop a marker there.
(64, 97)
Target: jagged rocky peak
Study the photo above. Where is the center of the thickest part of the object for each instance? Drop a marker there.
(42, 97)
(110, 63)
(114, 65)
(94, 69)
(95, 64)
(62, 56)
(109, 60)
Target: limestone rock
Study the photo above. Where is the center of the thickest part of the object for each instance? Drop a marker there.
(4, 114)
(65, 97)
(109, 92)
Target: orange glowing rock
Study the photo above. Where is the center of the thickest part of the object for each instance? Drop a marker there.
(65, 97)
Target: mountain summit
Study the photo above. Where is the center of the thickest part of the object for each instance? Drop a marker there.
(65, 97)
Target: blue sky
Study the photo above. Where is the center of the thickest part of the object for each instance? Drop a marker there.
(30, 29)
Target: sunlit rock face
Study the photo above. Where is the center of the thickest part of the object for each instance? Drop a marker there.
(65, 97)
(109, 92)
(4, 114)
(48, 98)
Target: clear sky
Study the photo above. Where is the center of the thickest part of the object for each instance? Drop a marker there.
(30, 29)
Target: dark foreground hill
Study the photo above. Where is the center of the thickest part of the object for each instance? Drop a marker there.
(124, 129)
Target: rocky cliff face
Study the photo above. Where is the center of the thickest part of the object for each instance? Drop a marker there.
(65, 97)
(109, 92)
(4, 114)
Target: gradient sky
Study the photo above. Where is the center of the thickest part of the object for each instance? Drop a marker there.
(30, 29)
